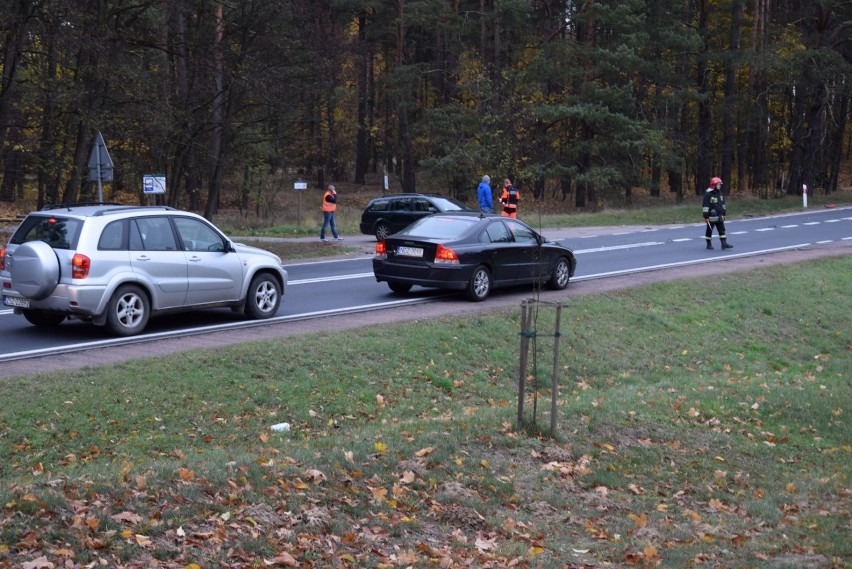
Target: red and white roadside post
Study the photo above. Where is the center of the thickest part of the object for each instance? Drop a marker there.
(804, 195)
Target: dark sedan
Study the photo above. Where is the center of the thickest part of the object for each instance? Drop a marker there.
(472, 252)
(389, 214)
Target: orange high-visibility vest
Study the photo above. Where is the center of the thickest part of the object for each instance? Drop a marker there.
(329, 201)
(509, 199)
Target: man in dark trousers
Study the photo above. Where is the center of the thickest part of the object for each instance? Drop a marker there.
(714, 212)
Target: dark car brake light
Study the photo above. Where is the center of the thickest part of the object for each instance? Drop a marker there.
(381, 249)
(445, 255)
(2, 259)
(80, 265)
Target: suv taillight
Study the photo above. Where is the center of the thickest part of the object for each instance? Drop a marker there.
(80, 266)
(2, 259)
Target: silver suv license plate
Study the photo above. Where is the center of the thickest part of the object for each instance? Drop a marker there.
(16, 301)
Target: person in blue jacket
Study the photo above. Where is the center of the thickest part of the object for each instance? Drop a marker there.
(484, 196)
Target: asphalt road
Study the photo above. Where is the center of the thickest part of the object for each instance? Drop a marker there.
(762, 242)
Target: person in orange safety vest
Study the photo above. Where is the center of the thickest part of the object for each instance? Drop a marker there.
(329, 206)
(509, 199)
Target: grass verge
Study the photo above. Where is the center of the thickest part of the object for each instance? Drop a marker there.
(697, 426)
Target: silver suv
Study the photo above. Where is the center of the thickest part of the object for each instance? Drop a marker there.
(118, 265)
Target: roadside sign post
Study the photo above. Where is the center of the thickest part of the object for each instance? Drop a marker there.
(300, 186)
(804, 195)
(100, 165)
(153, 184)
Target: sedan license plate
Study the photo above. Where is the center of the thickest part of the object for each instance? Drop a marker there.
(16, 301)
(409, 251)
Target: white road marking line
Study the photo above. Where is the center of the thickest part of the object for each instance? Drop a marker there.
(687, 263)
(617, 247)
(328, 279)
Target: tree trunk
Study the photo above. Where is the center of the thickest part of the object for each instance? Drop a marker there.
(704, 150)
(362, 151)
(214, 184)
(728, 109)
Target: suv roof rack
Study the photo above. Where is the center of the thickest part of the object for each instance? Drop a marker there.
(76, 204)
(131, 207)
(112, 207)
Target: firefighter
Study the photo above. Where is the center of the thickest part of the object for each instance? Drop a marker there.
(714, 212)
(509, 199)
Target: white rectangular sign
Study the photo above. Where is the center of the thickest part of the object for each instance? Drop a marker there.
(153, 184)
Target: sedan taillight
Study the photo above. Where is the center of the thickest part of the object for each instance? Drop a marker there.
(80, 265)
(445, 255)
(381, 249)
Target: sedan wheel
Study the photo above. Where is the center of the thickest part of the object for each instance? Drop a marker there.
(480, 285)
(399, 288)
(264, 297)
(128, 311)
(561, 274)
(382, 231)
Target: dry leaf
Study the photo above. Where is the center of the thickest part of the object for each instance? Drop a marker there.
(316, 476)
(283, 559)
(40, 563)
(128, 517)
(379, 494)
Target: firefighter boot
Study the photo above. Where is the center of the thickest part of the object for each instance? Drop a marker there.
(726, 245)
(709, 244)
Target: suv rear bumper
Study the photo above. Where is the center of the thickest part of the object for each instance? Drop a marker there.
(68, 299)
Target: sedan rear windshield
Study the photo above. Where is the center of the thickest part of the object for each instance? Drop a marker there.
(58, 232)
(448, 204)
(439, 227)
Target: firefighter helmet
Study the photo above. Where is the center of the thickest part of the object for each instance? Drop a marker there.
(714, 181)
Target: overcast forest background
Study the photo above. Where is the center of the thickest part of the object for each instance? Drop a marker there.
(588, 102)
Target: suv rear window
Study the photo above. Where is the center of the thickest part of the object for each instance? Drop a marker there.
(58, 232)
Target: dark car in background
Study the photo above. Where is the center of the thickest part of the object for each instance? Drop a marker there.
(471, 252)
(388, 214)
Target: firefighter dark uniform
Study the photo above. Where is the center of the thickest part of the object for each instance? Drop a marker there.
(509, 199)
(713, 209)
